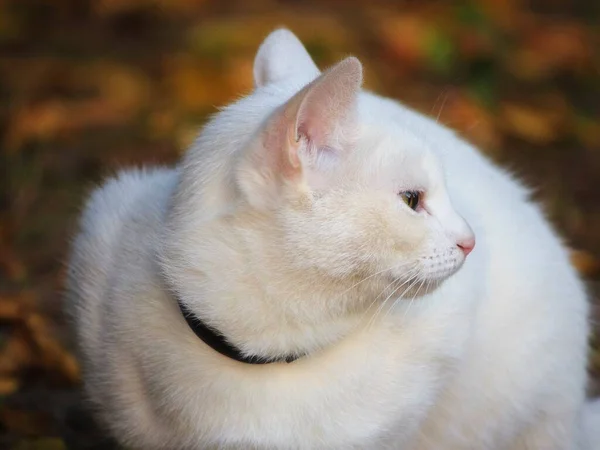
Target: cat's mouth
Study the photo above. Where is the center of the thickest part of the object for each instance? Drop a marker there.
(426, 276)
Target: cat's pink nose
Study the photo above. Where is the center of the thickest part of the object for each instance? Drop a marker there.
(466, 245)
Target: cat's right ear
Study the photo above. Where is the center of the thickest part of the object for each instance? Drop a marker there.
(282, 56)
(306, 139)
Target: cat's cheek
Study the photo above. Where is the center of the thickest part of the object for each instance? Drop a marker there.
(408, 238)
(414, 235)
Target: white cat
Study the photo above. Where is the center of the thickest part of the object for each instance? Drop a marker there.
(315, 222)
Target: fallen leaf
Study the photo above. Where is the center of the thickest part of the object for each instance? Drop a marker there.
(505, 14)
(8, 385)
(54, 356)
(15, 354)
(28, 423)
(107, 8)
(585, 262)
(405, 36)
(17, 306)
(532, 124)
(547, 48)
(41, 444)
(195, 87)
(587, 131)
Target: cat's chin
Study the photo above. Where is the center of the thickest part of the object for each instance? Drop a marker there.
(399, 286)
(423, 279)
(403, 288)
(421, 288)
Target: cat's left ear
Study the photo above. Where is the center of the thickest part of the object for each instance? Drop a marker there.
(282, 56)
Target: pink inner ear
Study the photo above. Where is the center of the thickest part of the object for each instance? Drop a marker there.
(317, 120)
(316, 123)
(326, 112)
(278, 141)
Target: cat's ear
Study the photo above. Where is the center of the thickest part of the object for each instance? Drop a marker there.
(281, 56)
(307, 137)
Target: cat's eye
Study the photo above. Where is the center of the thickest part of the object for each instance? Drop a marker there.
(411, 198)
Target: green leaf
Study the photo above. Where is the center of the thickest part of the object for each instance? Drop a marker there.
(441, 51)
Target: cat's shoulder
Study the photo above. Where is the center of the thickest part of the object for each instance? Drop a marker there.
(127, 193)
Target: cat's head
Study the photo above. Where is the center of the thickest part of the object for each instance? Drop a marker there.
(354, 193)
(320, 180)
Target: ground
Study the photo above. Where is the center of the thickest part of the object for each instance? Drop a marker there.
(91, 86)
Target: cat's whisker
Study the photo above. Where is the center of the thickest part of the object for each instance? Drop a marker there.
(437, 119)
(395, 266)
(377, 298)
(473, 125)
(369, 323)
(416, 279)
(413, 298)
(409, 305)
(409, 280)
(379, 309)
(410, 274)
(437, 100)
(393, 305)
(379, 295)
(382, 305)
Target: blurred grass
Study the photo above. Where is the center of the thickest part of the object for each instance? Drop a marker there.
(89, 86)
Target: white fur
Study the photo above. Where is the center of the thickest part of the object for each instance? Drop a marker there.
(283, 228)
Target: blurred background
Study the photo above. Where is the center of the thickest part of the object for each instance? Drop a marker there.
(91, 86)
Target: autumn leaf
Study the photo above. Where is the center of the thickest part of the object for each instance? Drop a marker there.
(41, 444)
(585, 262)
(405, 36)
(534, 125)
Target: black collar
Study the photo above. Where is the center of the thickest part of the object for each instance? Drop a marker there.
(218, 342)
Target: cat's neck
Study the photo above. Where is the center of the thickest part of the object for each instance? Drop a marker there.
(262, 321)
(245, 289)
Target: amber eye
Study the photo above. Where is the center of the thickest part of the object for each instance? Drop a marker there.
(411, 198)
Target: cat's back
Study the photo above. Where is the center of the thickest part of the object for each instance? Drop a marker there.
(121, 216)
